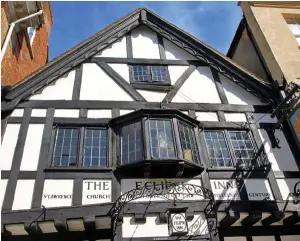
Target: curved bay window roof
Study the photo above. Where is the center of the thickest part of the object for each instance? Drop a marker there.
(157, 143)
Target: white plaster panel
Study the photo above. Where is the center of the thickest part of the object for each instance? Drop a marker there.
(61, 90)
(124, 112)
(258, 189)
(175, 72)
(39, 112)
(23, 194)
(17, 112)
(264, 118)
(57, 193)
(153, 96)
(239, 117)
(75, 224)
(121, 69)
(116, 49)
(132, 229)
(185, 112)
(8, 145)
(281, 158)
(199, 87)
(96, 191)
(16, 229)
(66, 113)
(286, 186)
(235, 239)
(174, 52)
(97, 85)
(3, 183)
(237, 95)
(225, 189)
(290, 238)
(47, 227)
(207, 116)
(106, 113)
(30, 156)
(144, 43)
(263, 238)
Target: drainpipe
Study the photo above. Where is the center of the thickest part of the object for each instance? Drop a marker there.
(11, 28)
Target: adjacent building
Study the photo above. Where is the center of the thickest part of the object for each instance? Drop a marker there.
(144, 132)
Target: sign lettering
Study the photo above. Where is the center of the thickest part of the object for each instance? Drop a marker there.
(96, 191)
(225, 189)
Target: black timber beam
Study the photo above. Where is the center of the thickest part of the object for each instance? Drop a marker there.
(230, 218)
(293, 219)
(32, 228)
(273, 218)
(252, 218)
(89, 224)
(61, 226)
(139, 218)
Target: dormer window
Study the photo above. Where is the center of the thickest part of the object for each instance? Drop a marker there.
(142, 74)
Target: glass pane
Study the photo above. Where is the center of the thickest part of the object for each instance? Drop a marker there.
(95, 146)
(159, 73)
(217, 148)
(131, 143)
(161, 139)
(140, 73)
(188, 142)
(66, 147)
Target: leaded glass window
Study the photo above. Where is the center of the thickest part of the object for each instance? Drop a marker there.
(150, 74)
(217, 148)
(66, 147)
(131, 143)
(188, 142)
(242, 146)
(140, 73)
(95, 147)
(161, 139)
(159, 73)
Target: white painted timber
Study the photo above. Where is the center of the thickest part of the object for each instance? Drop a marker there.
(57, 193)
(97, 85)
(263, 238)
(258, 189)
(144, 43)
(16, 229)
(47, 227)
(32, 147)
(105, 113)
(62, 89)
(3, 184)
(121, 69)
(199, 87)
(17, 113)
(116, 49)
(281, 158)
(39, 112)
(66, 113)
(290, 238)
(264, 118)
(175, 72)
(8, 145)
(207, 116)
(23, 194)
(174, 52)
(237, 95)
(235, 117)
(153, 96)
(75, 224)
(124, 112)
(286, 186)
(235, 239)
(103, 222)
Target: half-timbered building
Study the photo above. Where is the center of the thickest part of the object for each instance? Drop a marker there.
(144, 132)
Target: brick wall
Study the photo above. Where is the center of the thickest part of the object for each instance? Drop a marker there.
(18, 62)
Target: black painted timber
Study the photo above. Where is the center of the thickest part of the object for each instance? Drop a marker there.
(77, 83)
(219, 86)
(129, 45)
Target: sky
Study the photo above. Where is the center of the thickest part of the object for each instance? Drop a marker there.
(215, 23)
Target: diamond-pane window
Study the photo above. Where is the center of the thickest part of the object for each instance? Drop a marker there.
(188, 142)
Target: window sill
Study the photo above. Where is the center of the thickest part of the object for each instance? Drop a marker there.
(153, 86)
(222, 169)
(78, 169)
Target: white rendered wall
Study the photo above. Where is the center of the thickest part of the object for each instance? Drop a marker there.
(153, 96)
(121, 69)
(237, 95)
(61, 90)
(235, 239)
(264, 118)
(105, 113)
(175, 72)
(8, 145)
(281, 158)
(286, 186)
(290, 238)
(207, 116)
(124, 112)
(235, 117)
(117, 49)
(23, 194)
(174, 52)
(263, 238)
(97, 85)
(144, 43)
(199, 87)
(66, 113)
(3, 183)
(39, 112)
(17, 112)
(32, 147)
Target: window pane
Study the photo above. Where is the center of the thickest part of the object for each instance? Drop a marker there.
(140, 73)
(188, 142)
(161, 139)
(159, 74)
(66, 147)
(217, 148)
(131, 143)
(95, 146)
(242, 146)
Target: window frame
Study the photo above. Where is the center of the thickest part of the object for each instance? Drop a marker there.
(297, 22)
(149, 74)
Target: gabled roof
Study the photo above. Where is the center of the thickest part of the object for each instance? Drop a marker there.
(141, 16)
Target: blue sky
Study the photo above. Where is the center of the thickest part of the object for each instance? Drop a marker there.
(214, 23)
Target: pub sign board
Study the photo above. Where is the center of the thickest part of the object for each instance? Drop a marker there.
(258, 189)
(225, 189)
(96, 191)
(178, 224)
